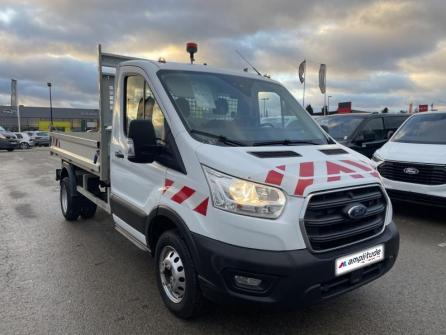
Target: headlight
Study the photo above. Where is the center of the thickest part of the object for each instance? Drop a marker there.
(244, 197)
(377, 159)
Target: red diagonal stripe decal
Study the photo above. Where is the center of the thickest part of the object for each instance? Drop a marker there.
(202, 208)
(306, 174)
(167, 183)
(275, 177)
(334, 171)
(358, 165)
(365, 167)
(183, 194)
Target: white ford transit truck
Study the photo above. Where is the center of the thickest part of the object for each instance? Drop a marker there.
(238, 194)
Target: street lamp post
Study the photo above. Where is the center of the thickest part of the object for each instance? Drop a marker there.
(328, 104)
(51, 108)
(264, 106)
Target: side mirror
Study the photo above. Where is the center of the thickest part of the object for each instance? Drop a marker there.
(142, 146)
(325, 128)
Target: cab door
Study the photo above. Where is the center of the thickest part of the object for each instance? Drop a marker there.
(136, 187)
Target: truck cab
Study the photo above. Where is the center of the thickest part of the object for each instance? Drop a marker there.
(232, 206)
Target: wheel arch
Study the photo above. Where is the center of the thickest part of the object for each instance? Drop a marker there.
(68, 170)
(164, 218)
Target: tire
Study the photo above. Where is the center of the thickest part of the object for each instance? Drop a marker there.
(24, 145)
(88, 209)
(172, 255)
(70, 204)
(10, 149)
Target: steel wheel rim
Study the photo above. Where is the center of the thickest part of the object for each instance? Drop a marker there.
(64, 198)
(172, 274)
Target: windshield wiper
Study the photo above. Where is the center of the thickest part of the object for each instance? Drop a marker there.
(219, 138)
(283, 142)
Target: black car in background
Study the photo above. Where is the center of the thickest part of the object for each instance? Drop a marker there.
(8, 140)
(365, 132)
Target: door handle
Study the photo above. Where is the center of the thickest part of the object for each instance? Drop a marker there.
(119, 154)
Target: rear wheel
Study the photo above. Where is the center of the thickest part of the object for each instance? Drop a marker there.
(177, 278)
(70, 203)
(11, 149)
(88, 209)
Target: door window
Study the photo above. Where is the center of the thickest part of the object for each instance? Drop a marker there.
(140, 104)
(393, 123)
(374, 128)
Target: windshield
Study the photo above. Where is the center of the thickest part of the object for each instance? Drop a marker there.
(233, 110)
(340, 127)
(424, 129)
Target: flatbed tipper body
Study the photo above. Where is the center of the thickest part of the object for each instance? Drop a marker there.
(91, 150)
(80, 148)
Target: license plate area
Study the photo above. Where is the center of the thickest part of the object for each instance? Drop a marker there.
(358, 260)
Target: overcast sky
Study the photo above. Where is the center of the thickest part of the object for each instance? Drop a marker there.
(378, 53)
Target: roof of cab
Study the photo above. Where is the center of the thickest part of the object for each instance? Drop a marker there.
(194, 67)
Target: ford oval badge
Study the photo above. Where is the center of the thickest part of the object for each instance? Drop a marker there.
(411, 170)
(356, 211)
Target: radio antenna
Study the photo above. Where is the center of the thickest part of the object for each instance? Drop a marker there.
(252, 66)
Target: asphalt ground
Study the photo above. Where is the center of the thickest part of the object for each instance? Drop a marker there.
(58, 277)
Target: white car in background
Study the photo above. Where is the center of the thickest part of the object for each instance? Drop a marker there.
(413, 162)
(24, 140)
(40, 138)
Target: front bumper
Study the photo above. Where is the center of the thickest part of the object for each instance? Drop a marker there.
(433, 195)
(293, 278)
(7, 144)
(430, 190)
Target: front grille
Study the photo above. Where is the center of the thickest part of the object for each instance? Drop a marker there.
(428, 174)
(327, 224)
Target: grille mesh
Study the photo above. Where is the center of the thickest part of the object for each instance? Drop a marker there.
(328, 226)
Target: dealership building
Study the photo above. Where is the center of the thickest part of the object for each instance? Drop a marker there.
(38, 118)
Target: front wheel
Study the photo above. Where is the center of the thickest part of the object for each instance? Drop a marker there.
(24, 145)
(177, 278)
(10, 149)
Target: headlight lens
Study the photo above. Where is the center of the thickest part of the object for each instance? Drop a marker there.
(244, 197)
(377, 159)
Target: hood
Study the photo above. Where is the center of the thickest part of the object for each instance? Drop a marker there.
(413, 152)
(298, 170)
